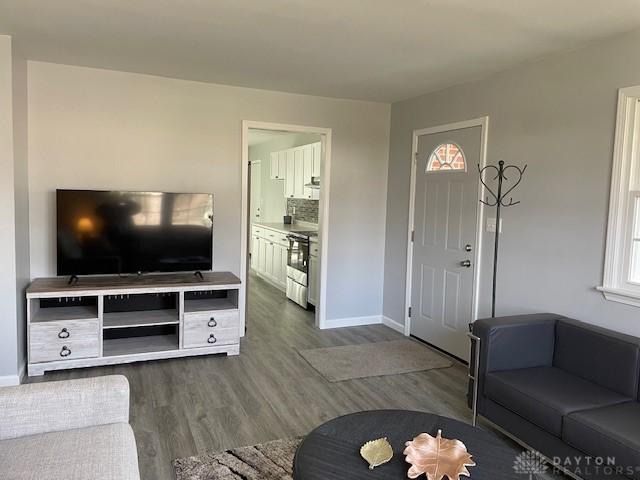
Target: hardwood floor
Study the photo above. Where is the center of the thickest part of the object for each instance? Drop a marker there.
(194, 405)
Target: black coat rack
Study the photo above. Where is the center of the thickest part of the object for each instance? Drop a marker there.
(498, 200)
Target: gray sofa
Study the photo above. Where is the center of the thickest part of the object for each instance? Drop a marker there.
(72, 430)
(564, 388)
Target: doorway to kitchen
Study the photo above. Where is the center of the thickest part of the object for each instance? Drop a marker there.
(285, 197)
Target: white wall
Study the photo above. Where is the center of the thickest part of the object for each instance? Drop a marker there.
(274, 203)
(21, 199)
(557, 116)
(8, 324)
(101, 129)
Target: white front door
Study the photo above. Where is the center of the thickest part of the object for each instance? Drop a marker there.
(445, 206)
(255, 199)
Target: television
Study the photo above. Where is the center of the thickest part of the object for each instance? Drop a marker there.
(116, 232)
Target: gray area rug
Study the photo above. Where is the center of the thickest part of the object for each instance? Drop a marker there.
(373, 359)
(265, 461)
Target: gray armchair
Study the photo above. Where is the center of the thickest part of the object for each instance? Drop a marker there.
(75, 429)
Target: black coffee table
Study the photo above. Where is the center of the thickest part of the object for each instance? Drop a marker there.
(332, 451)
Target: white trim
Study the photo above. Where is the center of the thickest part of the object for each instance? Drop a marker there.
(353, 321)
(323, 224)
(13, 380)
(392, 324)
(621, 296)
(615, 284)
(9, 380)
(482, 122)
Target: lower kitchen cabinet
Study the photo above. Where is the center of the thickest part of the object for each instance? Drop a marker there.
(314, 278)
(269, 260)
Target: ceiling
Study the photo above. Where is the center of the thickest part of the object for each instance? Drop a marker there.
(382, 50)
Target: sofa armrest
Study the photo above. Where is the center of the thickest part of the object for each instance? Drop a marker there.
(510, 343)
(56, 406)
(521, 341)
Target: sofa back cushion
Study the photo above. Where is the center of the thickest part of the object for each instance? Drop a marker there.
(597, 355)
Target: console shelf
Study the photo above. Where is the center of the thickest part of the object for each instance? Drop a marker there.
(79, 312)
(208, 304)
(136, 345)
(112, 320)
(140, 319)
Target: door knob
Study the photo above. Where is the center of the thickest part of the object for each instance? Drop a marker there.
(465, 263)
(467, 247)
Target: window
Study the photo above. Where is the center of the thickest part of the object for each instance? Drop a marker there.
(446, 156)
(192, 210)
(150, 210)
(621, 281)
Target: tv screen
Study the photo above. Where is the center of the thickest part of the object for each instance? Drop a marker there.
(107, 232)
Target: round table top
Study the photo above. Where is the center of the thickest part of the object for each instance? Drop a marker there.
(332, 451)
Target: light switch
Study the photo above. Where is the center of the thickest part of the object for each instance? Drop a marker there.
(491, 225)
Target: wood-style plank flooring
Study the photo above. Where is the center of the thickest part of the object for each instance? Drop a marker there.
(194, 405)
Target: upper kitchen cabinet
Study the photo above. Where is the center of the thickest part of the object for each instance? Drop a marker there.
(289, 181)
(302, 163)
(278, 165)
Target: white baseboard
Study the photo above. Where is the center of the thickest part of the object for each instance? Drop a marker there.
(12, 380)
(391, 323)
(9, 380)
(353, 321)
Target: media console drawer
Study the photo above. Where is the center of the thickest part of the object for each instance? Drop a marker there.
(205, 329)
(63, 340)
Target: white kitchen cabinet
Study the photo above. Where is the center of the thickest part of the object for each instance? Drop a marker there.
(269, 255)
(280, 265)
(307, 170)
(297, 166)
(262, 255)
(298, 173)
(313, 276)
(255, 252)
(289, 181)
(282, 164)
(316, 149)
(317, 158)
(268, 259)
(277, 165)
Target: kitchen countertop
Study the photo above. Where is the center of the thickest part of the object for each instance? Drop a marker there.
(293, 227)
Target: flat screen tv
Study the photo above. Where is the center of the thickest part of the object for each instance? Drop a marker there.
(110, 232)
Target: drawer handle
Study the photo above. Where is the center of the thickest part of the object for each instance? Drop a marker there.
(212, 339)
(212, 322)
(64, 333)
(65, 352)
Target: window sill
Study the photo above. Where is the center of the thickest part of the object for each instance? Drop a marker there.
(628, 297)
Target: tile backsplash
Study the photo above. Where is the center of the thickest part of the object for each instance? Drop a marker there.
(306, 210)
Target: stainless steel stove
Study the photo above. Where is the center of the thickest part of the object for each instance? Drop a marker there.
(298, 267)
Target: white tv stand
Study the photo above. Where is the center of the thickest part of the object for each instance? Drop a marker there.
(111, 320)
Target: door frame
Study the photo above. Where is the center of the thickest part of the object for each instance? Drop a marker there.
(483, 123)
(323, 213)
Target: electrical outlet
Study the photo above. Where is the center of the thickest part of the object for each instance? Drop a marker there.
(491, 225)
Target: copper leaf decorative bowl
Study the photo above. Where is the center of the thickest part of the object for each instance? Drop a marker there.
(437, 457)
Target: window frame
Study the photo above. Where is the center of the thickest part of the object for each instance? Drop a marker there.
(433, 153)
(625, 189)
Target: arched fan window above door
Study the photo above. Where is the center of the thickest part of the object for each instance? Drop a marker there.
(447, 157)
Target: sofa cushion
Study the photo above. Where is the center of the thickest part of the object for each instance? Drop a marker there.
(597, 355)
(607, 432)
(104, 452)
(543, 395)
